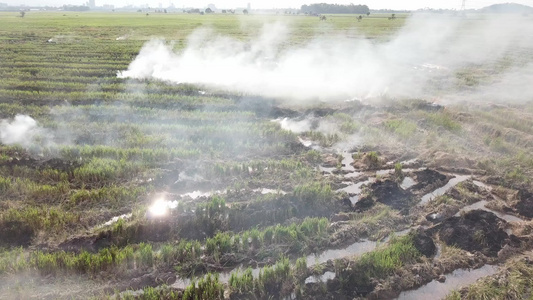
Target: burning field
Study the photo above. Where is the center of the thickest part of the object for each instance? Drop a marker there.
(266, 157)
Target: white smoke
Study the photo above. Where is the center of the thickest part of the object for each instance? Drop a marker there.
(428, 49)
(22, 130)
(294, 125)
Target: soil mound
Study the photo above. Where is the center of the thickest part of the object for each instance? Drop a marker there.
(425, 244)
(525, 203)
(477, 230)
(387, 192)
(470, 193)
(428, 179)
(15, 233)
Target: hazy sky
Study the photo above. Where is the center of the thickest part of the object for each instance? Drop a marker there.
(373, 4)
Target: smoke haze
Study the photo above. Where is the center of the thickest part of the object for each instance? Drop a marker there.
(422, 57)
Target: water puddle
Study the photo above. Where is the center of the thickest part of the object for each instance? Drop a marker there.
(186, 177)
(482, 185)
(440, 191)
(181, 283)
(409, 162)
(265, 191)
(357, 248)
(384, 172)
(391, 171)
(326, 169)
(353, 175)
(481, 205)
(114, 220)
(407, 183)
(347, 162)
(355, 189)
(439, 251)
(457, 279)
(198, 194)
(323, 278)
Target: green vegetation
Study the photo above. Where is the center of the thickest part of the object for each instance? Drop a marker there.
(356, 276)
(444, 120)
(398, 171)
(403, 128)
(275, 281)
(206, 288)
(515, 282)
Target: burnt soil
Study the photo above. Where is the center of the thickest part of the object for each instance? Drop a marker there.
(387, 192)
(477, 230)
(428, 179)
(425, 244)
(525, 204)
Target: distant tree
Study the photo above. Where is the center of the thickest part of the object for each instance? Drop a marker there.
(165, 11)
(359, 18)
(368, 14)
(245, 11)
(224, 11)
(324, 8)
(323, 18)
(22, 13)
(208, 11)
(147, 14)
(76, 8)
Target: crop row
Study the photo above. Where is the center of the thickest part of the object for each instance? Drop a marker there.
(354, 276)
(82, 82)
(182, 254)
(91, 96)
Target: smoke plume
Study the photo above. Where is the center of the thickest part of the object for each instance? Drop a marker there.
(22, 130)
(424, 56)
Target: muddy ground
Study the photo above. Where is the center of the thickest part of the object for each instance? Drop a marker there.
(373, 191)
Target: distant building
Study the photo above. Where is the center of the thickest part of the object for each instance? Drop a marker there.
(249, 7)
(92, 3)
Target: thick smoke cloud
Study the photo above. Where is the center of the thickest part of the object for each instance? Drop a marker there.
(22, 130)
(424, 56)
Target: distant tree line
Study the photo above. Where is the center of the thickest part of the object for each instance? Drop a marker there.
(76, 8)
(324, 8)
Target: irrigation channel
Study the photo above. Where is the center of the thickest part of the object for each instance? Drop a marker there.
(457, 279)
